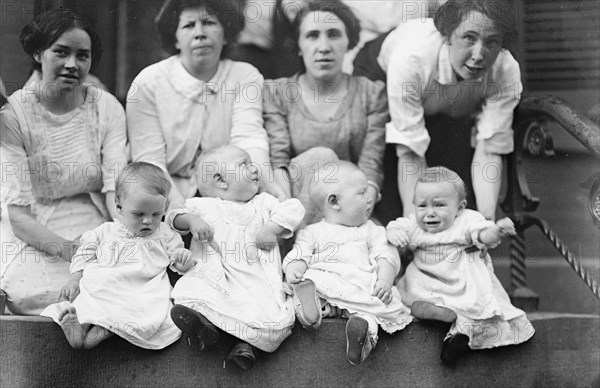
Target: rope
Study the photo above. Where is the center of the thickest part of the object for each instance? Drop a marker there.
(564, 251)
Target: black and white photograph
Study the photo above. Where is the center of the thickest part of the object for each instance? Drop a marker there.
(305, 193)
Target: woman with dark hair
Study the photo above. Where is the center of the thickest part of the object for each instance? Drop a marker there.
(63, 142)
(321, 115)
(452, 87)
(195, 99)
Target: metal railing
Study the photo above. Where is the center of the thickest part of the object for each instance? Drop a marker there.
(533, 136)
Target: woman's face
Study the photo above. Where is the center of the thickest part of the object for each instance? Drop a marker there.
(200, 38)
(66, 63)
(323, 41)
(474, 46)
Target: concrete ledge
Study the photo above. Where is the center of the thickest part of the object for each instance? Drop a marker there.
(565, 351)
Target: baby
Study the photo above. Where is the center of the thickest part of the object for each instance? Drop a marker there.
(119, 284)
(346, 260)
(237, 286)
(448, 282)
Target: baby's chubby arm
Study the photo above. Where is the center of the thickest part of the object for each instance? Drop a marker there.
(182, 260)
(385, 279)
(492, 235)
(396, 233)
(199, 229)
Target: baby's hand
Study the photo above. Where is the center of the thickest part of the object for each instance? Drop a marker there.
(507, 227)
(397, 237)
(294, 277)
(71, 290)
(182, 260)
(383, 290)
(266, 239)
(200, 229)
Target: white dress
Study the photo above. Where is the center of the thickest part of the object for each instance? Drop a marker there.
(125, 287)
(235, 285)
(342, 261)
(444, 274)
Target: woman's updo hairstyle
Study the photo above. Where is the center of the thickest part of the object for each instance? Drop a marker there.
(45, 29)
(336, 7)
(230, 14)
(449, 16)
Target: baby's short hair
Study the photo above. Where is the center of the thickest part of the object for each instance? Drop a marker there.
(441, 174)
(208, 162)
(147, 175)
(327, 178)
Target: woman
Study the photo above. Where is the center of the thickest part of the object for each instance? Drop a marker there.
(63, 142)
(322, 114)
(453, 85)
(196, 100)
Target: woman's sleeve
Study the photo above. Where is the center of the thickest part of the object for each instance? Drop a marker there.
(371, 157)
(276, 123)
(303, 249)
(88, 248)
(143, 125)
(494, 122)
(16, 184)
(380, 248)
(407, 126)
(114, 151)
(247, 129)
(287, 214)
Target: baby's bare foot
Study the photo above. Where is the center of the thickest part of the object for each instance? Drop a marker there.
(70, 324)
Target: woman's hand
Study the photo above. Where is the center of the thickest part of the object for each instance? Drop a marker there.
(274, 189)
(68, 250)
(383, 290)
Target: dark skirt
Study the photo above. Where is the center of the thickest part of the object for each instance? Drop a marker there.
(450, 147)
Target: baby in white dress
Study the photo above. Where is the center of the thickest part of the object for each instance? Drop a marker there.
(237, 285)
(119, 284)
(346, 260)
(449, 282)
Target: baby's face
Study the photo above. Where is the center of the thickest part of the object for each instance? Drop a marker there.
(355, 204)
(436, 206)
(141, 212)
(240, 174)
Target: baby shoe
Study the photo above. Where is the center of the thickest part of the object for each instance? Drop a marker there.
(429, 311)
(358, 341)
(243, 355)
(307, 305)
(453, 348)
(195, 325)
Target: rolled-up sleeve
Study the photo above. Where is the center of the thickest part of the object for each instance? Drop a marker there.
(494, 122)
(404, 88)
(247, 129)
